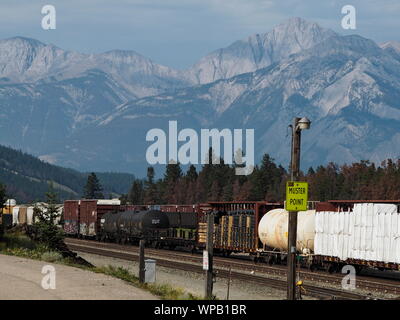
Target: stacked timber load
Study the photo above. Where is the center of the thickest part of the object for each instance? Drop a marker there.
(236, 231)
(202, 232)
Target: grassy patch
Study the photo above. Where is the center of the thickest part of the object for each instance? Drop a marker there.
(164, 291)
(20, 245)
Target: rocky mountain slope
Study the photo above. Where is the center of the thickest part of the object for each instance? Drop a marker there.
(98, 117)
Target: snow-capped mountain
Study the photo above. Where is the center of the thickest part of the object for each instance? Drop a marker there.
(348, 86)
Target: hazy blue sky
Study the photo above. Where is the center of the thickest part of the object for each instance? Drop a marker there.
(178, 32)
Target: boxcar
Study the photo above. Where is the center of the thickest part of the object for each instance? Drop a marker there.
(82, 217)
(71, 217)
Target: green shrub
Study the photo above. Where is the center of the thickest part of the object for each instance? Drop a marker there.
(51, 256)
(17, 240)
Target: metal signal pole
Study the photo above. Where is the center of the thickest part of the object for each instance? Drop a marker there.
(141, 261)
(297, 126)
(209, 248)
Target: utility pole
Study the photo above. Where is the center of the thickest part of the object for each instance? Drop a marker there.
(298, 125)
(208, 289)
(141, 261)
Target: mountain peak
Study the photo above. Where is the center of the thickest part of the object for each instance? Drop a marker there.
(260, 50)
(121, 53)
(296, 26)
(24, 40)
(297, 22)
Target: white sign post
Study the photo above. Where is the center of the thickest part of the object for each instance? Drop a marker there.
(205, 260)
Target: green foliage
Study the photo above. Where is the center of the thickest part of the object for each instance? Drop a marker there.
(136, 192)
(3, 195)
(51, 256)
(18, 240)
(218, 182)
(191, 174)
(358, 181)
(152, 189)
(45, 229)
(18, 244)
(93, 188)
(3, 199)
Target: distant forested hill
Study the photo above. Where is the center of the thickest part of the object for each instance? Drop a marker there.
(27, 178)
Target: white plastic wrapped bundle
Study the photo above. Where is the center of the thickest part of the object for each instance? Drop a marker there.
(370, 232)
(15, 215)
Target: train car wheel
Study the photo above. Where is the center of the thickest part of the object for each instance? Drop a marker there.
(271, 260)
(333, 268)
(312, 267)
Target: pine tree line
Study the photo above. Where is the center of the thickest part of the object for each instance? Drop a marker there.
(358, 181)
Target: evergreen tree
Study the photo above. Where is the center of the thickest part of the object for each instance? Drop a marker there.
(151, 189)
(45, 227)
(93, 188)
(172, 176)
(3, 199)
(150, 175)
(191, 174)
(124, 199)
(173, 173)
(136, 193)
(3, 195)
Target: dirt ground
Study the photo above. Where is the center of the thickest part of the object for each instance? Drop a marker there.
(22, 279)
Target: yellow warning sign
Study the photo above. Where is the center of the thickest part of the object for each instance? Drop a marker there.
(296, 196)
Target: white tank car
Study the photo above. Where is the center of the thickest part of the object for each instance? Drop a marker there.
(273, 230)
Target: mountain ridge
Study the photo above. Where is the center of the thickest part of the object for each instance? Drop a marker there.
(98, 117)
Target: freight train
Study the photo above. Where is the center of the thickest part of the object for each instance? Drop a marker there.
(330, 234)
(13, 214)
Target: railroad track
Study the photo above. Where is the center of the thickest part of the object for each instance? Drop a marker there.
(194, 265)
(364, 283)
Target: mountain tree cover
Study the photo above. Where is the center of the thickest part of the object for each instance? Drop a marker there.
(93, 188)
(27, 178)
(359, 181)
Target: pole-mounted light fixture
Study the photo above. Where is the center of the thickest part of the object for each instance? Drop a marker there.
(303, 124)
